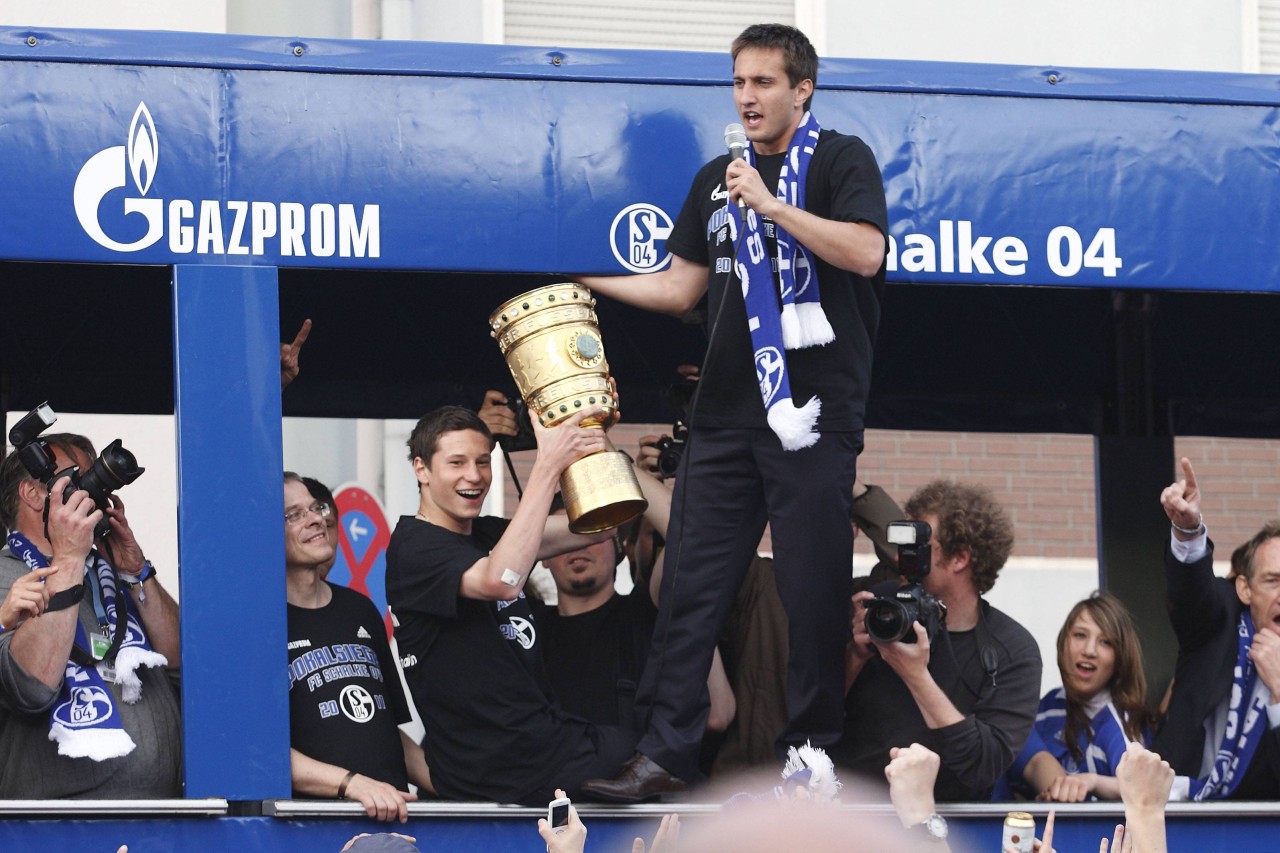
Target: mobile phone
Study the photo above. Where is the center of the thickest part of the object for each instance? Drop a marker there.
(558, 814)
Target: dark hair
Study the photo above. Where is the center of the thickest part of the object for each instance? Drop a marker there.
(1242, 558)
(14, 474)
(426, 433)
(969, 518)
(798, 56)
(320, 492)
(1128, 683)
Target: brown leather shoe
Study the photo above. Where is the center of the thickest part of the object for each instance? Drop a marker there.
(641, 779)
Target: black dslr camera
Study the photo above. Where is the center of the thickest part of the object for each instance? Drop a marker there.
(524, 439)
(890, 617)
(671, 449)
(114, 467)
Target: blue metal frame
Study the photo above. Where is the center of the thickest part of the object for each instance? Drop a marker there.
(235, 697)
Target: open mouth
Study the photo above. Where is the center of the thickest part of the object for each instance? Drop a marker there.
(1086, 669)
(470, 494)
(752, 119)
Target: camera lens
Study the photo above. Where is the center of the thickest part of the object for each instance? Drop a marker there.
(114, 467)
(887, 620)
(669, 460)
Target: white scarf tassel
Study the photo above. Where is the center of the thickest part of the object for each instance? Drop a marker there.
(815, 328)
(98, 745)
(795, 426)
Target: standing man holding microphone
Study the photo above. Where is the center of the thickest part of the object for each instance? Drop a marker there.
(786, 237)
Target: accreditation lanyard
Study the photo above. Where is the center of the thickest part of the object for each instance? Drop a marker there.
(104, 642)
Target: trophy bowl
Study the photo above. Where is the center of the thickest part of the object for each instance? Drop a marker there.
(550, 338)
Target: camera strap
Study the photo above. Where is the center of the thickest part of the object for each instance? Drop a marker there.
(986, 647)
(987, 656)
(66, 598)
(118, 631)
(515, 478)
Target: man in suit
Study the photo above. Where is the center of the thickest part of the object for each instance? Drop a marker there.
(1222, 731)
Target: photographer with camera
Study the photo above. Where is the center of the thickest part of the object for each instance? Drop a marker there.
(963, 678)
(90, 672)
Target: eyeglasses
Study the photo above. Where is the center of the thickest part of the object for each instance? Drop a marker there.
(293, 516)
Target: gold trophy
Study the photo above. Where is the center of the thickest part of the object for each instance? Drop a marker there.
(551, 340)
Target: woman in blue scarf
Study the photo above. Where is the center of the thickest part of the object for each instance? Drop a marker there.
(1083, 727)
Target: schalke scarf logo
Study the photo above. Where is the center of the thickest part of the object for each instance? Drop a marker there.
(770, 368)
(88, 706)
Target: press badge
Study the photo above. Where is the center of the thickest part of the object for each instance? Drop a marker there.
(99, 645)
(107, 670)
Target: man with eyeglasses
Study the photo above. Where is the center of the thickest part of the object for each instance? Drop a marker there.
(345, 698)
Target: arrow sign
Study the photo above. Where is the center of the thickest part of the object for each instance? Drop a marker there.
(363, 534)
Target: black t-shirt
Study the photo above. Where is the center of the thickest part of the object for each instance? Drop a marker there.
(843, 184)
(493, 729)
(594, 659)
(345, 699)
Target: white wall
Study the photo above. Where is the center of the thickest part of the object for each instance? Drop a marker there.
(207, 16)
(1206, 35)
(1200, 35)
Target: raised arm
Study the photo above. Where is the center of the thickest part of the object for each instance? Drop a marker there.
(1181, 502)
(501, 575)
(674, 290)
(157, 610)
(1144, 782)
(42, 645)
(858, 247)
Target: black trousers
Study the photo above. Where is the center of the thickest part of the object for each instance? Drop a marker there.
(730, 483)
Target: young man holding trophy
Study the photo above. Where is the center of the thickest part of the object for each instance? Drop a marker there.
(467, 639)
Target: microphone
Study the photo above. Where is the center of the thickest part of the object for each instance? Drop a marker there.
(735, 139)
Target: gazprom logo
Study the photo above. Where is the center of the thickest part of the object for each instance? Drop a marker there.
(638, 237)
(208, 226)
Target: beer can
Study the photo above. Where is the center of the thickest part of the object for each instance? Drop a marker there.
(1019, 832)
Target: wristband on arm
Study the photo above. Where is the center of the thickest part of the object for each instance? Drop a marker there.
(342, 786)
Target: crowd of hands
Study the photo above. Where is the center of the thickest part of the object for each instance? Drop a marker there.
(1144, 781)
(1143, 778)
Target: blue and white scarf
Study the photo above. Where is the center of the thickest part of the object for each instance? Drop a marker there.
(1244, 730)
(85, 722)
(801, 322)
(1102, 744)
